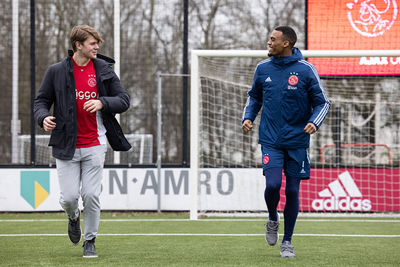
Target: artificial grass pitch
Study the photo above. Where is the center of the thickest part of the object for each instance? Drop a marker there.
(139, 239)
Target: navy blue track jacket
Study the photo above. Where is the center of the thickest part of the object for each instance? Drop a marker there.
(291, 94)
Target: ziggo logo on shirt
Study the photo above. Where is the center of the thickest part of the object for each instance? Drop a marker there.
(85, 95)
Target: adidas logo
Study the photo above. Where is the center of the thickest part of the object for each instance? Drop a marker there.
(302, 168)
(342, 195)
(268, 80)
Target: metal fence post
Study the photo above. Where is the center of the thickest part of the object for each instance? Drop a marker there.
(159, 129)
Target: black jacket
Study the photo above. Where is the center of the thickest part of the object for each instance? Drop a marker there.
(58, 88)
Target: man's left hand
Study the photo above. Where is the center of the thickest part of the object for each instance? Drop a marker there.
(92, 105)
(310, 128)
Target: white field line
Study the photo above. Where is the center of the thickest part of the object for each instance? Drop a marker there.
(210, 220)
(199, 234)
(307, 214)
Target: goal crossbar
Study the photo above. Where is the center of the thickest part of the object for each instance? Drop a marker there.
(306, 53)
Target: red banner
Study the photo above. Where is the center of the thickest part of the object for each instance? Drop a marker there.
(349, 190)
(354, 25)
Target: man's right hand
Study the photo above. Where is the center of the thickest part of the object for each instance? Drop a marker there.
(49, 124)
(247, 126)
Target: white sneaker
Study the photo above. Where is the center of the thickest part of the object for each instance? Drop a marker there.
(271, 232)
(287, 250)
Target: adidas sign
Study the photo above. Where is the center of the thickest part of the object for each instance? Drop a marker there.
(342, 195)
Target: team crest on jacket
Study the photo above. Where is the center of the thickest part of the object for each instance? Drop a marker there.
(293, 80)
(265, 159)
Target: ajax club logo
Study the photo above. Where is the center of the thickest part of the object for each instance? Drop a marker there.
(35, 187)
(265, 159)
(293, 81)
(341, 195)
(372, 18)
(92, 80)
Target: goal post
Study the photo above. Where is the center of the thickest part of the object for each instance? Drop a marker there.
(219, 154)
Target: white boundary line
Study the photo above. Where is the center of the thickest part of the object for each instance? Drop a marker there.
(209, 220)
(199, 234)
(307, 214)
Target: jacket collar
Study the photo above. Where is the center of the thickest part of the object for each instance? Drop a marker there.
(296, 56)
(101, 61)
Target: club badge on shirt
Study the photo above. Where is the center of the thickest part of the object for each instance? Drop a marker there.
(92, 80)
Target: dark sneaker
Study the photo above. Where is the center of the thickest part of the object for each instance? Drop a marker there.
(271, 232)
(74, 230)
(89, 250)
(287, 250)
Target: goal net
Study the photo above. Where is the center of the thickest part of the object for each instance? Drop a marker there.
(355, 155)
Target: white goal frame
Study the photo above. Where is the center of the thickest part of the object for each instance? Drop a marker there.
(194, 96)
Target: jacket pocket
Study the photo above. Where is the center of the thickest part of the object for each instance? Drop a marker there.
(295, 106)
(115, 136)
(58, 136)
